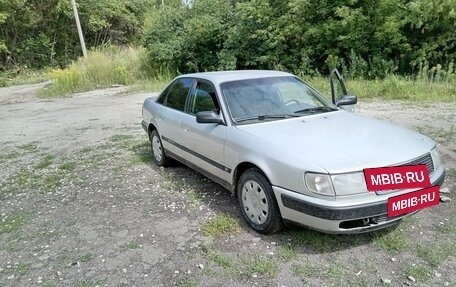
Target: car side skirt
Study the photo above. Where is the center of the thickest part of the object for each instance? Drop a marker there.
(212, 177)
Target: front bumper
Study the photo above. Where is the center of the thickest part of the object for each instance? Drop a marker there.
(355, 218)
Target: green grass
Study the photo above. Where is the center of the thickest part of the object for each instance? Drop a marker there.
(85, 257)
(329, 274)
(392, 88)
(247, 265)
(220, 224)
(102, 68)
(128, 66)
(435, 254)
(288, 251)
(390, 240)
(14, 222)
(259, 265)
(68, 166)
(217, 257)
(22, 268)
(420, 273)
(22, 77)
(151, 85)
(320, 242)
(186, 282)
(132, 245)
(45, 162)
(90, 283)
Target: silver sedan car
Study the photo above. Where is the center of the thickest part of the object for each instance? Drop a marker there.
(284, 150)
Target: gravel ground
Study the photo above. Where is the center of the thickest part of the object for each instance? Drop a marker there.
(81, 204)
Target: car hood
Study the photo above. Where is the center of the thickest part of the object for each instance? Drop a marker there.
(339, 141)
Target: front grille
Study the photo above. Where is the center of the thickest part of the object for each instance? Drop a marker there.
(424, 159)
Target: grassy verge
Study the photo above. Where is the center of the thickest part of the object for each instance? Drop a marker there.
(392, 88)
(109, 66)
(103, 68)
(23, 77)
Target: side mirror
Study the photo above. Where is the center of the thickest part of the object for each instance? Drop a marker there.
(209, 118)
(346, 101)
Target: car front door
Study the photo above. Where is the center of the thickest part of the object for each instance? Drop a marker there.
(171, 116)
(205, 141)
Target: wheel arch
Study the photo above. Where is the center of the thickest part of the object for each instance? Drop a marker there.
(240, 169)
(150, 128)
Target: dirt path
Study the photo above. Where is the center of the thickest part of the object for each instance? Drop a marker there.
(81, 205)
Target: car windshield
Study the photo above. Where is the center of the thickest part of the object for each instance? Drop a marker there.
(272, 98)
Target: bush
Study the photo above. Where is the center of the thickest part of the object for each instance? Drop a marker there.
(102, 68)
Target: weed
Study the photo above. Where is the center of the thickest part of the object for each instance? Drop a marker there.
(218, 258)
(306, 271)
(22, 268)
(259, 265)
(390, 240)
(85, 257)
(30, 147)
(319, 241)
(288, 251)
(220, 224)
(22, 77)
(132, 245)
(420, 273)
(101, 68)
(151, 85)
(68, 166)
(121, 138)
(45, 162)
(392, 88)
(91, 283)
(14, 221)
(185, 282)
(435, 254)
(329, 272)
(9, 156)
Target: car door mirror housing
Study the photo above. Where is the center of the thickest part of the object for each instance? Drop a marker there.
(209, 118)
(347, 100)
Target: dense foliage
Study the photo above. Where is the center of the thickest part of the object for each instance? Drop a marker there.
(369, 38)
(39, 33)
(365, 38)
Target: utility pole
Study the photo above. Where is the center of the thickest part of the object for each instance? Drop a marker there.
(78, 25)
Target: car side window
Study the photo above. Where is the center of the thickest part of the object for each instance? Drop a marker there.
(204, 99)
(162, 97)
(178, 94)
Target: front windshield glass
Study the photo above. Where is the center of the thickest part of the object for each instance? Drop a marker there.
(272, 98)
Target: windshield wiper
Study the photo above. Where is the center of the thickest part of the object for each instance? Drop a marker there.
(264, 117)
(316, 109)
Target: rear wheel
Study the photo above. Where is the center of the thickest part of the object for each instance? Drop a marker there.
(158, 153)
(257, 201)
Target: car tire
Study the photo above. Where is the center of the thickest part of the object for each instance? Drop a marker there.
(257, 201)
(158, 152)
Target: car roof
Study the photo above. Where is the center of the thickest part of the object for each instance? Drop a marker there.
(228, 76)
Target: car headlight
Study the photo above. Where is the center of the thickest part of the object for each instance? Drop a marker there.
(349, 183)
(436, 158)
(319, 183)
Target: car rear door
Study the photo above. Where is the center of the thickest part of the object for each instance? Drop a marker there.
(205, 142)
(171, 116)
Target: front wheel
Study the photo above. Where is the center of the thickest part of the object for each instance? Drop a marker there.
(258, 204)
(158, 153)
